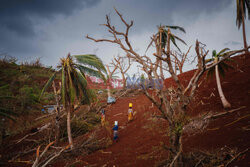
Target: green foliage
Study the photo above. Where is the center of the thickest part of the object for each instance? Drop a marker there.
(28, 96)
(7, 113)
(81, 124)
(73, 79)
(173, 37)
(178, 127)
(6, 98)
(20, 86)
(48, 84)
(163, 32)
(48, 98)
(222, 66)
(142, 77)
(91, 60)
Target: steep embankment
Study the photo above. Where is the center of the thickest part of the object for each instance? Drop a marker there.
(141, 141)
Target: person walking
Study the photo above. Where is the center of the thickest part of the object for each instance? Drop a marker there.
(115, 130)
(130, 112)
(103, 117)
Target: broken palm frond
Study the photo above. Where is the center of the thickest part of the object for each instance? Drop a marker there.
(49, 158)
(224, 113)
(105, 152)
(55, 155)
(237, 120)
(20, 161)
(231, 123)
(19, 154)
(238, 155)
(118, 114)
(32, 134)
(214, 129)
(202, 122)
(38, 156)
(45, 116)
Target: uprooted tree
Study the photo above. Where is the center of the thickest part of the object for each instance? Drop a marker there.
(173, 102)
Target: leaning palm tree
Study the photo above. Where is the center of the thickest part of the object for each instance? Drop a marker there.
(74, 83)
(242, 6)
(219, 68)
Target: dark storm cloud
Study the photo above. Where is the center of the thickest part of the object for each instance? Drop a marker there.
(52, 28)
(149, 13)
(16, 15)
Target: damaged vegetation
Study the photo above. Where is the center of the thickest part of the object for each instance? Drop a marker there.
(52, 116)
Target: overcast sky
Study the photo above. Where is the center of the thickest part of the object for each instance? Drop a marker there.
(49, 29)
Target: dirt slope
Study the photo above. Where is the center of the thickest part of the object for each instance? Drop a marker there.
(141, 141)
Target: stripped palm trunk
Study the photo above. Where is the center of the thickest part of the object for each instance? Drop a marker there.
(243, 26)
(69, 128)
(224, 101)
(57, 124)
(108, 86)
(160, 53)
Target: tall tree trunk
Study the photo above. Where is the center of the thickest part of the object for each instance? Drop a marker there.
(124, 81)
(57, 123)
(224, 101)
(109, 93)
(175, 145)
(243, 27)
(180, 68)
(108, 87)
(160, 54)
(69, 128)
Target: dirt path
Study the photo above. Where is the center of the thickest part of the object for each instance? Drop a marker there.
(137, 145)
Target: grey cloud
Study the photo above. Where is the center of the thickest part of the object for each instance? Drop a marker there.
(40, 28)
(232, 43)
(16, 15)
(147, 14)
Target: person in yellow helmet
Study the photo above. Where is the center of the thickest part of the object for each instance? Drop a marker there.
(130, 112)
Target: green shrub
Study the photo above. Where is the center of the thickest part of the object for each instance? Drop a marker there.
(28, 96)
(80, 125)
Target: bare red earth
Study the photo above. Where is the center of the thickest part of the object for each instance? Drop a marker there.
(140, 141)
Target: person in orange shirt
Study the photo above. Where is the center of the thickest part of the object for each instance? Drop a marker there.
(130, 112)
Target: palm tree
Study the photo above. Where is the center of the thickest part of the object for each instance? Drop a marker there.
(161, 38)
(242, 6)
(74, 84)
(163, 34)
(219, 68)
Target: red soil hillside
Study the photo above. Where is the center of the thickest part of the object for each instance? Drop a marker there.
(141, 141)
